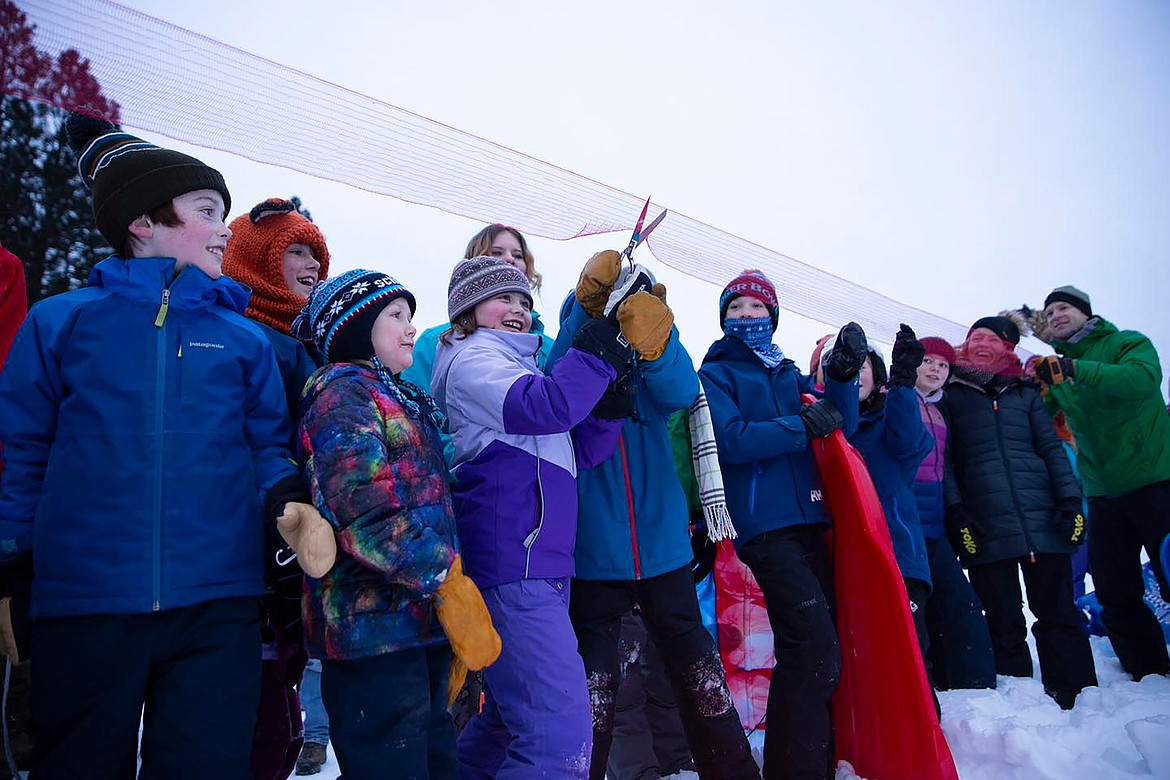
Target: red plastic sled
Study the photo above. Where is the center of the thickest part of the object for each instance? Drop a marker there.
(745, 637)
(883, 712)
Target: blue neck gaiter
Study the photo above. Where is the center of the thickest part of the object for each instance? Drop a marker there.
(757, 334)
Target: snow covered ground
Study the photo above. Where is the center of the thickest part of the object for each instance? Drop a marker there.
(1118, 730)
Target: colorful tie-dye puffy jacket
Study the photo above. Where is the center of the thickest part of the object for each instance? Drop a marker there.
(377, 475)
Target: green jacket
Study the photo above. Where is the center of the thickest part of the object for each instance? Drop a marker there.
(1115, 409)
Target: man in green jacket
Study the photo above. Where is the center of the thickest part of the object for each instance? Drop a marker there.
(1109, 384)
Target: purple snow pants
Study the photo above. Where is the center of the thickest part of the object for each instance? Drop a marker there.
(536, 719)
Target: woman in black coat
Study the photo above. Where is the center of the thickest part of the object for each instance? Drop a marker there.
(1013, 505)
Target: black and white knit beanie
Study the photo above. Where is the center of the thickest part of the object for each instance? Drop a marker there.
(129, 177)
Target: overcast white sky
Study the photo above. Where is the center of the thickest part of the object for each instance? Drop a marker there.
(961, 157)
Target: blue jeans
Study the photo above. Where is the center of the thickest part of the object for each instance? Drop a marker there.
(316, 718)
(389, 714)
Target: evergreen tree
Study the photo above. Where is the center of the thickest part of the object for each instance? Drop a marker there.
(45, 214)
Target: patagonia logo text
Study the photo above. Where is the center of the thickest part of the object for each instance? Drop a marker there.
(205, 345)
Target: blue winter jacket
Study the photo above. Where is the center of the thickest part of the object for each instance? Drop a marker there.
(142, 419)
(769, 474)
(633, 513)
(893, 442)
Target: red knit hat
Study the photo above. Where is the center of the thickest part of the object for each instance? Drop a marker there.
(937, 346)
(814, 362)
(255, 256)
(750, 284)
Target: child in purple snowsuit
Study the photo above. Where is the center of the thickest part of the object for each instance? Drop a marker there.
(519, 439)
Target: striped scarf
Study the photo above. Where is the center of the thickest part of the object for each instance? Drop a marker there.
(705, 456)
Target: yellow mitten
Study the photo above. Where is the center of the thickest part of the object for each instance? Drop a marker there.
(597, 280)
(646, 321)
(456, 677)
(310, 536)
(466, 621)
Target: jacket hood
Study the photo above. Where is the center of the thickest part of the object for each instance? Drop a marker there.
(733, 349)
(329, 372)
(144, 278)
(522, 345)
(1095, 328)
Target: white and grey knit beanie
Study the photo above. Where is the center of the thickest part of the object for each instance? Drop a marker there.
(480, 278)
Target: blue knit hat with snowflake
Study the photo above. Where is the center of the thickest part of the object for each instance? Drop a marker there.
(338, 317)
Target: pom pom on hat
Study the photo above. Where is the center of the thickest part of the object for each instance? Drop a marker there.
(480, 278)
(339, 315)
(255, 256)
(751, 284)
(128, 177)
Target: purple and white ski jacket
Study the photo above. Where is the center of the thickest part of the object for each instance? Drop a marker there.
(520, 437)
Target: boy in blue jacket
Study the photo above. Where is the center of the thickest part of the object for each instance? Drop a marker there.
(633, 541)
(774, 496)
(144, 422)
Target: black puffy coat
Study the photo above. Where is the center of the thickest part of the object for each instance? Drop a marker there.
(1007, 468)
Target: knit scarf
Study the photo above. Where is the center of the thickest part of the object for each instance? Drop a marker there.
(705, 456)
(411, 397)
(981, 376)
(757, 334)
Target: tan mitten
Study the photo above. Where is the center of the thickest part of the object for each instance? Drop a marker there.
(466, 621)
(597, 280)
(310, 536)
(646, 322)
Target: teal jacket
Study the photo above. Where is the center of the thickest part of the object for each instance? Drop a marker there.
(633, 518)
(1115, 408)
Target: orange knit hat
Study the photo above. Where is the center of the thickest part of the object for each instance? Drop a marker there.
(255, 256)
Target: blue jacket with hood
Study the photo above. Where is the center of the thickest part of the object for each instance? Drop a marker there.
(143, 417)
(633, 513)
(769, 474)
(893, 440)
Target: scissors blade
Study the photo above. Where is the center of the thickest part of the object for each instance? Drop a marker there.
(645, 234)
(635, 239)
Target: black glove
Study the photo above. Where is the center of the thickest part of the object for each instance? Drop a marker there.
(821, 418)
(291, 489)
(617, 403)
(905, 359)
(1053, 370)
(848, 355)
(965, 532)
(602, 337)
(1071, 522)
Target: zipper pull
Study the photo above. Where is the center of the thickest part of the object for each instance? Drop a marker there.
(1032, 556)
(162, 310)
(995, 404)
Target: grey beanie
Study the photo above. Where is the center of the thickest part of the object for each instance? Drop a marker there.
(1072, 296)
(480, 278)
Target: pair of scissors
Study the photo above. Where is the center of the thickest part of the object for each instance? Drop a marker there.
(641, 234)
